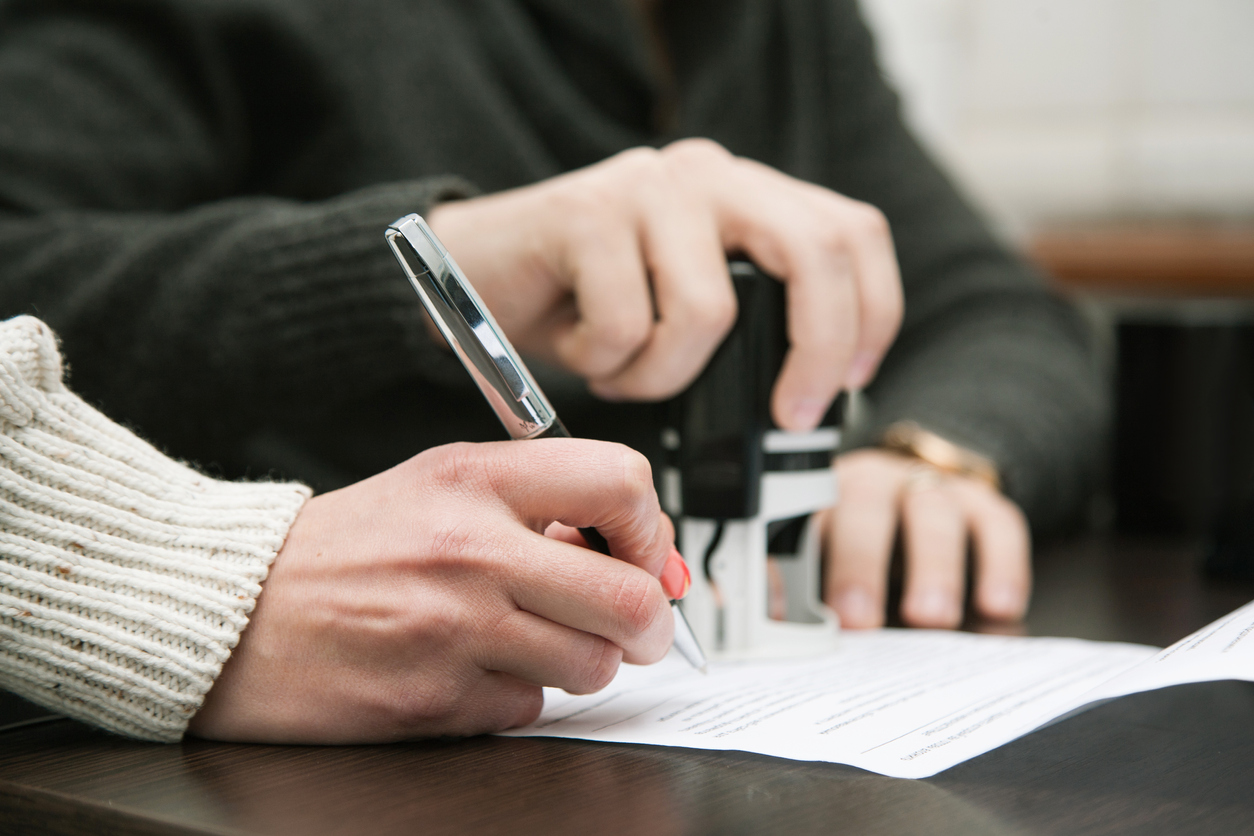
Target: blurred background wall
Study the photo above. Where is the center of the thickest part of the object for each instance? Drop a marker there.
(1049, 109)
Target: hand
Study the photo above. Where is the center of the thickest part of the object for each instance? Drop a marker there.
(428, 601)
(936, 512)
(619, 272)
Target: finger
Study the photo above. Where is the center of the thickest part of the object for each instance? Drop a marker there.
(774, 220)
(936, 542)
(881, 300)
(860, 538)
(541, 652)
(1003, 562)
(694, 298)
(496, 702)
(666, 530)
(822, 304)
(577, 482)
(675, 577)
(592, 593)
(566, 534)
(614, 306)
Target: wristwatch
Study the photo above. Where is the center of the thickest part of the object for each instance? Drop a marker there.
(910, 439)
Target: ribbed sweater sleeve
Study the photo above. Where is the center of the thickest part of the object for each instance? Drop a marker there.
(125, 576)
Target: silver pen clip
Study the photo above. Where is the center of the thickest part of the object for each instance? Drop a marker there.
(469, 328)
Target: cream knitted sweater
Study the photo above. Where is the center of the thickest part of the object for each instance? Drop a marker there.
(125, 577)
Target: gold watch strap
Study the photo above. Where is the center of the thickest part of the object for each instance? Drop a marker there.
(910, 439)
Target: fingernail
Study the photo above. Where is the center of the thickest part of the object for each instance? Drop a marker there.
(935, 606)
(857, 608)
(676, 579)
(807, 412)
(860, 370)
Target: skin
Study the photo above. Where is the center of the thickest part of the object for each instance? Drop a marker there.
(618, 272)
(937, 514)
(428, 600)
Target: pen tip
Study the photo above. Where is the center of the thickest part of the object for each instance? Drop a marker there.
(705, 669)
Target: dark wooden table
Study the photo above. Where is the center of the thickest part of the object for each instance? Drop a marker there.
(1179, 760)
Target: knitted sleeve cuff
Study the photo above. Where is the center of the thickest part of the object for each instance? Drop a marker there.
(125, 577)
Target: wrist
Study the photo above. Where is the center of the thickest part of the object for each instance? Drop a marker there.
(126, 577)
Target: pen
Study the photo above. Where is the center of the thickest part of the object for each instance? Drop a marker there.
(498, 371)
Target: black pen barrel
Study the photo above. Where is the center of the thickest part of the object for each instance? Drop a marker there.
(556, 430)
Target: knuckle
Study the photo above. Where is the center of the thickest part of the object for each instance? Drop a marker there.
(638, 602)
(637, 475)
(623, 334)
(698, 150)
(602, 664)
(641, 156)
(453, 465)
(833, 238)
(715, 314)
(641, 166)
(870, 221)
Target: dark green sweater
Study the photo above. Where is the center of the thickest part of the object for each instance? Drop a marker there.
(193, 194)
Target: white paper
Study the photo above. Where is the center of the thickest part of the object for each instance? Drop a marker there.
(1223, 649)
(906, 703)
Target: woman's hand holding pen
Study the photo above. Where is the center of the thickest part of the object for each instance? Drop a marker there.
(619, 272)
(428, 601)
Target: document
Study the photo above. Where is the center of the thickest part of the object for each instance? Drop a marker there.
(904, 703)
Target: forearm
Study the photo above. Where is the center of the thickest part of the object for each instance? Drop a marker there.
(125, 577)
(197, 326)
